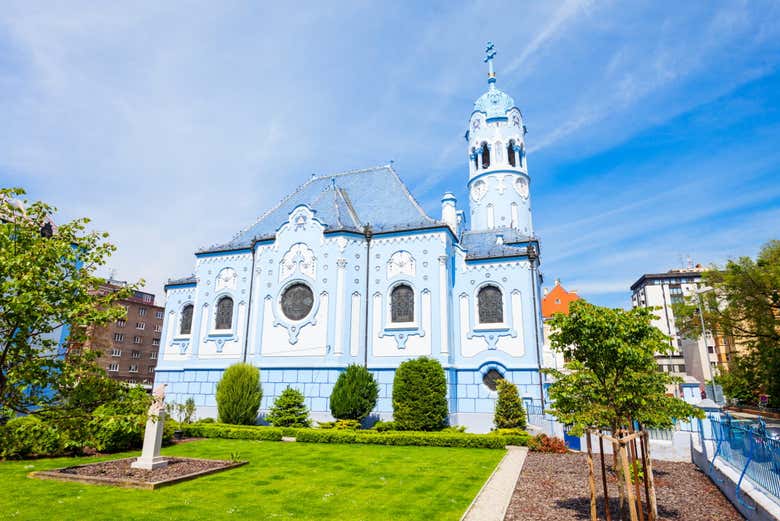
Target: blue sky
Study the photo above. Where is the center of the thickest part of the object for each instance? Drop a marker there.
(654, 127)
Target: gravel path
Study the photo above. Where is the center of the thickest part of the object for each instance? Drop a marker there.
(554, 487)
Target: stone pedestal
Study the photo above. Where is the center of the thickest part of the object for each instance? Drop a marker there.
(150, 455)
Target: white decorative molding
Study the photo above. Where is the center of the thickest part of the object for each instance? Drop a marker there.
(521, 186)
(400, 263)
(444, 324)
(403, 239)
(501, 186)
(478, 190)
(354, 324)
(223, 259)
(298, 258)
(226, 279)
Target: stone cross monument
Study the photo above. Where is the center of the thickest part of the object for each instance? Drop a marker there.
(150, 455)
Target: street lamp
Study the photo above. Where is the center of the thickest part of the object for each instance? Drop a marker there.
(699, 292)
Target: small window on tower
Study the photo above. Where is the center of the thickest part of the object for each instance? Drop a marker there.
(510, 153)
(485, 155)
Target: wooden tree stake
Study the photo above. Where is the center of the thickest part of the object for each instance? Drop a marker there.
(604, 478)
(626, 477)
(649, 476)
(591, 481)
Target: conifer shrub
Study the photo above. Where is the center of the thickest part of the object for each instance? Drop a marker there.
(510, 413)
(354, 395)
(289, 410)
(420, 396)
(238, 395)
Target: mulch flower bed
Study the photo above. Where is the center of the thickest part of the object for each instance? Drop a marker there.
(119, 472)
(554, 487)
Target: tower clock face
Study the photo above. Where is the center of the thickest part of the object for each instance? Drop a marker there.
(521, 186)
(478, 190)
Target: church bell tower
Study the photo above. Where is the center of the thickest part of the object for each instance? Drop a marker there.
(499, 194)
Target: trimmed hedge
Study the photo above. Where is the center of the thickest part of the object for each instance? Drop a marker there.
(414, 438)
(235, 432)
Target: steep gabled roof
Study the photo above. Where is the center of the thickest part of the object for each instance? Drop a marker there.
(345, 201)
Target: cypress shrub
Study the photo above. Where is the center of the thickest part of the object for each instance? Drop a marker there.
(289, 410)
(354, 395)
(420, 396)
(239, 394)
(510, 413)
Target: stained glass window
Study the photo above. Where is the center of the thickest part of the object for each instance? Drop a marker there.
(491, 305)
(224, 313)
(297, 301)
(490, 379)
(402, 304)
(510, 152)
(186, 320)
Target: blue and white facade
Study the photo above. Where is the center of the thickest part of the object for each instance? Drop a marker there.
(349, 269)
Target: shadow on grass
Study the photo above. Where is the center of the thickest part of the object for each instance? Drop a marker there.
(580, 506)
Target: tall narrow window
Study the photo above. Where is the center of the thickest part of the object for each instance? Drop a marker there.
(224, 313)
(186, 320)
(491, 305)
(485, 155)
(510, 153)
(402, 304)
(475, 155)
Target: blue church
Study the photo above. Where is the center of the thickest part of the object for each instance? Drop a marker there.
(349, 269)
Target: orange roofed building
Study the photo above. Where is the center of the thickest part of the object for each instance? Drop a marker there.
(555, 300)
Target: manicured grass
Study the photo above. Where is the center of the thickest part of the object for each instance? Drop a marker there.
(282, 481)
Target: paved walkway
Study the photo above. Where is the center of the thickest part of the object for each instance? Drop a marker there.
(492, 501)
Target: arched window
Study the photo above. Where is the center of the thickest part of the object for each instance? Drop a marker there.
(491, 378)
(402, 304)
(485, 155)
(491, 305)
(186, 320)
(475, 156)
(522, 156)
(224, 313)
(510, 152)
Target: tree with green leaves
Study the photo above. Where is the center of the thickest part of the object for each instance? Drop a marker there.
(743, 305)
(612, 377)
(509, 413)
(48, 282)
(289, 410)
(239, 394)
(354, 395)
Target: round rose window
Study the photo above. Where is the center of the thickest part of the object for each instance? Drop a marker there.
(297, 301)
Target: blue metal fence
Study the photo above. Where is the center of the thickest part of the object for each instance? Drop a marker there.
(748, 447)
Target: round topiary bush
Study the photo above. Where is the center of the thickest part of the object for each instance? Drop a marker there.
(510, 413)
(239, 394)
(354, 395)
(289, 410)
(420, 396)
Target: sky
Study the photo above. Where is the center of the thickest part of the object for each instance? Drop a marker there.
(653, 127)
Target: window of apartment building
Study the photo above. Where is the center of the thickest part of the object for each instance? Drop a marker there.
(133, 368)
(155, 341)
(131, 380)
(113, 367)
(119, 337)
(147, 381)
(136, 354)
(121, 322)
(141, 312)
(158, 314)
(148, 298)
(140, 325)
(153, 355)
(116, 352)
(710, 349)
(681, 368)
(150, 369)
(136, 339)
(157, 328)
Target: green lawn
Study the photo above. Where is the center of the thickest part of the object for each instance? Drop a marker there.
(282, 481)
